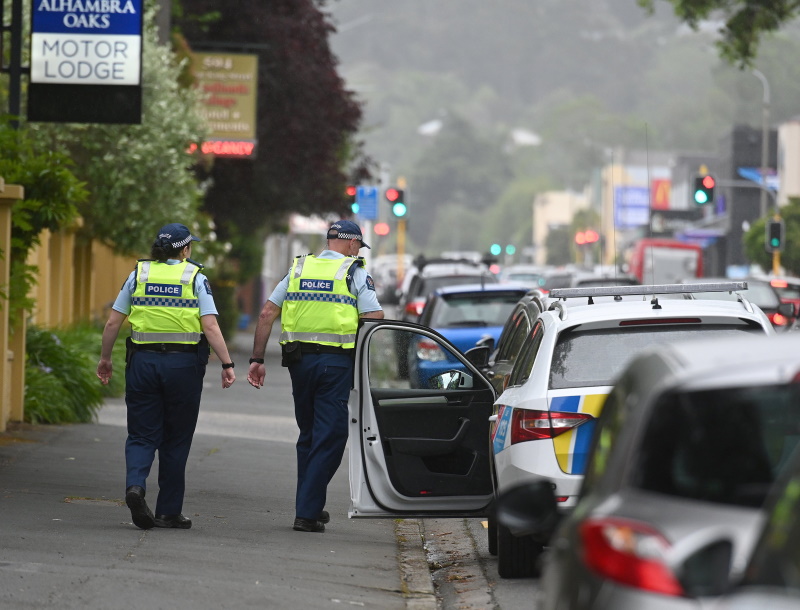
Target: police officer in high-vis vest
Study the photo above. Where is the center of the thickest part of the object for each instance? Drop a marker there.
(320, 302)
(173, 322)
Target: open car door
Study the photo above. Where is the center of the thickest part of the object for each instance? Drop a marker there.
(419, 426)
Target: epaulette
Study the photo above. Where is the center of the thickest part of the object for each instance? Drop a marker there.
(196, 264)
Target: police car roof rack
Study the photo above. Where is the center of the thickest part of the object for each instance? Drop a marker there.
(647, 289)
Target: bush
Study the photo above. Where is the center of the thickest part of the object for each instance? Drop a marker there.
(60, 381)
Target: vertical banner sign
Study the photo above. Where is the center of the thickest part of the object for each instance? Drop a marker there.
(86, 61)
(229, 83)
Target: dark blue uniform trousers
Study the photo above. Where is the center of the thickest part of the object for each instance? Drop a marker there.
(162, 392)
(321, 385)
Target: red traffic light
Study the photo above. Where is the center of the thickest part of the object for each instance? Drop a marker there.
(392, 195)
(381, 228)
(708, 182)
(350, 191)
(591, 236)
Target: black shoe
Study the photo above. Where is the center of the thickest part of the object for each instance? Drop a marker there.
(140, 513)
(308, 525)
(178, 521)
(324, 517)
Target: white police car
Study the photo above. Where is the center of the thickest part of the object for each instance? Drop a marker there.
(428, 451)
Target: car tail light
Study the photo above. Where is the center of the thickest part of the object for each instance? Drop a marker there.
(630, 553)
(531, 425)
(778, 319)
(430, 351)
(415, 307)
(779, 283)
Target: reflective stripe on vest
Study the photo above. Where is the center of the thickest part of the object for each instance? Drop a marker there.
(317, 337)
(166, 337)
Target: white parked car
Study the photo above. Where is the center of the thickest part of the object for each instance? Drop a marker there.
(429, 450)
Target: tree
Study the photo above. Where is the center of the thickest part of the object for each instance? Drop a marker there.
(754, 240)
(140, 176)
(52, 197)
(746, 21)
(460, 167)
(306, 119)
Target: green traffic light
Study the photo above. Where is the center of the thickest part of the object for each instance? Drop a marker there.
(495, 249)
(700, 197)
(510, 249)
(354, 207)
(399, 209)
(775, 242)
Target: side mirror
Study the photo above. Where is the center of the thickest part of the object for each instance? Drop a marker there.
(529, 509)
(451, 380)
(786, 310)
(479, 355)
(706, 572)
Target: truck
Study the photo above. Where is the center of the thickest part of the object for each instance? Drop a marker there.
(665, 261)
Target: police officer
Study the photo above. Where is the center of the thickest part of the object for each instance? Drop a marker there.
(320, 302)
(173, 322)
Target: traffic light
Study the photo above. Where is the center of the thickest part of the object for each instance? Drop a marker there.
(495, 249)
(350, 193)
(396, 197)
(704, 189)
(774, 236)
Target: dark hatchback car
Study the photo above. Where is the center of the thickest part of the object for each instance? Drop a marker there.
(495, 359)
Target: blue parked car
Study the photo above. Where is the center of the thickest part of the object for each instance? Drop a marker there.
(463, 315)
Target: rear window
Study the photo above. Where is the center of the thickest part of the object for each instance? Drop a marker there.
(477, 309)
(596, 357)
(725, 446)
(429, 284)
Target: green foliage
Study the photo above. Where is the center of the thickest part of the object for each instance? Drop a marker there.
(140, 175)
(745, 22)
(60, 381)
(754, 240)
(52, 194)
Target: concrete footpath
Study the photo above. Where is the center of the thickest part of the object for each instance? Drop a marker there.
(67, 541)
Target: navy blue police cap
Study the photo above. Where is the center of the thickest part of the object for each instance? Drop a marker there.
(176, 234)
(346, 229)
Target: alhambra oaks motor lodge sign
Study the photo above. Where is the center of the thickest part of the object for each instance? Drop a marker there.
(86, 61)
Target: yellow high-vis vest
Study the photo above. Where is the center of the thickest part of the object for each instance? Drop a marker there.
(319, 307)
(164, 307)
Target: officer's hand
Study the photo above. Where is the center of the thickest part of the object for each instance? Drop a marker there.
(228, 377)
(256, 374)
(104, 371)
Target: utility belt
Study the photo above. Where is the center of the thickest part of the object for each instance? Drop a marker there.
(293, 351)
(163, 348)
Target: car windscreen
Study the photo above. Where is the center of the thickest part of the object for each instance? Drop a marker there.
(723, 445)
(474, 309)
(595, 357)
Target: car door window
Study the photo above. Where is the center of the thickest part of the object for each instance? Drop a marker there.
(403, 359)
(524, 365)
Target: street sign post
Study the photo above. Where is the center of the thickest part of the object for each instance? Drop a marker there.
(367, 199)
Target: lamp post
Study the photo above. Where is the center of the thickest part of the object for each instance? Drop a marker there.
(764, 138)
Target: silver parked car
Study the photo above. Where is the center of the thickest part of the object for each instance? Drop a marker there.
(691, 439)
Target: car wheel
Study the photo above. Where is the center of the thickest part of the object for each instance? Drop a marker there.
(491, 531)
(517, 557)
